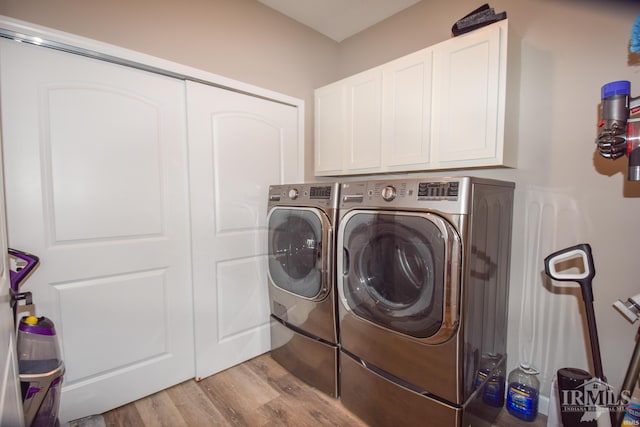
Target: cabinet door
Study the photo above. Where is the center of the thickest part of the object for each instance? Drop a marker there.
(330, 128)
(238, 145)
(96, 182)
(406, 123)
(469, 95)
(364, 121)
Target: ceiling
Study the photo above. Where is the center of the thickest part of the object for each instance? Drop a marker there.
(339, 19)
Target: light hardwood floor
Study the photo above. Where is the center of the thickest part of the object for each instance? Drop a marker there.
(258, 392)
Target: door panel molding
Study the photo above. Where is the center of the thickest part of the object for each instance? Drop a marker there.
(229, 210)
(114, 252)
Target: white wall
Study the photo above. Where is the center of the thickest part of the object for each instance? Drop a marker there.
(566, 194)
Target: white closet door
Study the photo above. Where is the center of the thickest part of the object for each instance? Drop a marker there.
(97, 187)
(10, 398)
(238, 146)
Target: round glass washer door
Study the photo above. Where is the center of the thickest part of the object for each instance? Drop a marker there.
(297, 251)
(394, 269)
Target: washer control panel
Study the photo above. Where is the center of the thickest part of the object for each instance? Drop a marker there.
(321, 195)
(320, 192)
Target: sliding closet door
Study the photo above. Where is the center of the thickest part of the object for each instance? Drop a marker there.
(238, 145)
(10, 405)
(97, 187)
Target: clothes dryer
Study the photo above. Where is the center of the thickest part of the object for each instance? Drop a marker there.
(301, 273)
(423, 272)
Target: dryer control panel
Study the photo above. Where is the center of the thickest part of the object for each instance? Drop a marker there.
(446, 194)
(438, 190)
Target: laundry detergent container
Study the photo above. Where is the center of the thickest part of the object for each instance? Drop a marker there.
(41, 370)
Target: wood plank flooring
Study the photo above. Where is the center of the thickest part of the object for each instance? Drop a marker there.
(257, 393)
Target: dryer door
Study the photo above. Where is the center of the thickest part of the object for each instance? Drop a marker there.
(400, 270)
(299, 251)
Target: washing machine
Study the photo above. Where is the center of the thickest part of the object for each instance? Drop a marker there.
(301, 274)
(423, 274)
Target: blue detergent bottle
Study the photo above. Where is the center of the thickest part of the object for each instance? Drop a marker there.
(632, 412)
(523, 392)
(491, 377)
(493, 393)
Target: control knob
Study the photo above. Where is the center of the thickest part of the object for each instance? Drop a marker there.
(293, 194)
(389, 193)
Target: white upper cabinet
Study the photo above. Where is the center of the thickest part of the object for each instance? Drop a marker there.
(330, 128)
(469, 99)
(348, 120)
(406, 124)
(364, 106)
(442, 107)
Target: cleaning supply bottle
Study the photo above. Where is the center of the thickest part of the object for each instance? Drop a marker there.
(483, 371)
(523, 392)
(491, 376)
(632, 412)
(493, 393)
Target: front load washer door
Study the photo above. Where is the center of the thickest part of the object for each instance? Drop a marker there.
(298, 251)
(399, 271)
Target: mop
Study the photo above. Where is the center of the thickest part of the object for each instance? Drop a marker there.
(570, 256)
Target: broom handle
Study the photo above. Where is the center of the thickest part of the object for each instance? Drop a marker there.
(630, 379)
(593, 338)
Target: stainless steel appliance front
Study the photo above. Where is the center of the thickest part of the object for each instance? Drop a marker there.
(422, 278)
(301, 279)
